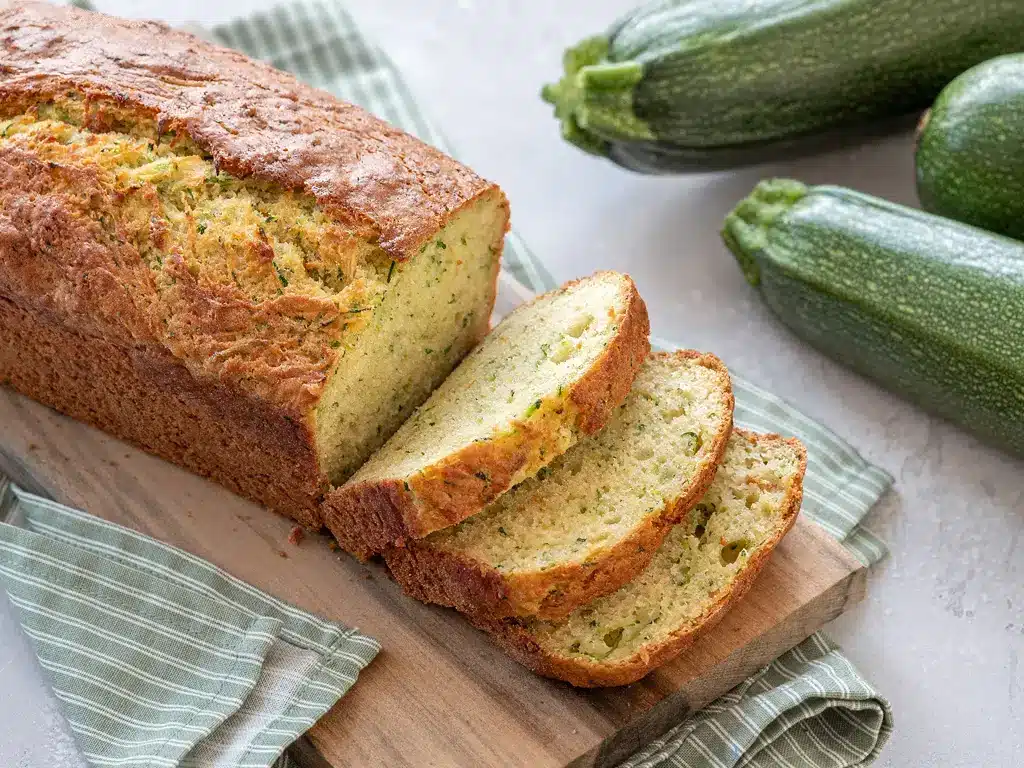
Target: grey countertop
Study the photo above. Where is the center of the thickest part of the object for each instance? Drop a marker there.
(942, 630)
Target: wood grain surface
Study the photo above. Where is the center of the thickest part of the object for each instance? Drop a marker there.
(439, 693)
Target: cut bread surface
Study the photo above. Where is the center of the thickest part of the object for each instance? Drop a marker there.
(551, 372)
(703, 566)
(436, 307)
(595, 516)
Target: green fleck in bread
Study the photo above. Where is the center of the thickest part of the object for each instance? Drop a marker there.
(552, 371)
(704, 566)
(592, 519)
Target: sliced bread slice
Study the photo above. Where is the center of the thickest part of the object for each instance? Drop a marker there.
(704, 565)
(592, 519)
(551, 372)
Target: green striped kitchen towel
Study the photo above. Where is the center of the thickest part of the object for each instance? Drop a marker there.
(811, 707)
(157, 657)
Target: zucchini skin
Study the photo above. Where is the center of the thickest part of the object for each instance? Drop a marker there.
(930, 308)
(970, 148)
(682, 85)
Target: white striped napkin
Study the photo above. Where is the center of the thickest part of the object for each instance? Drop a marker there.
(159, 658)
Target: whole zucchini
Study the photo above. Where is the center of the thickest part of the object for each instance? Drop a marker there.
(929, 307)
(685, 84)
(970, 148)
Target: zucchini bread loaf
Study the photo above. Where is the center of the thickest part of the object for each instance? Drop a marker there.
(237, 272)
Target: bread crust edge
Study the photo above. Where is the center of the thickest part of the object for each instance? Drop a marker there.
(161, 408)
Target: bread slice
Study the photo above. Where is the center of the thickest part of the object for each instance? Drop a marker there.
(704, 566)
(592, 519)
(553, 371)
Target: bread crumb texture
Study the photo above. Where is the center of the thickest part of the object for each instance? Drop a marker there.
(523, 372)
(602, 490)
(742, 512)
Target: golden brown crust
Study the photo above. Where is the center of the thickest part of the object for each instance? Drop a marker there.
(253, 120)
(436, 575)
(367, 517)
(515, 639)
(607, 383)
(55, 256)
(143, 395)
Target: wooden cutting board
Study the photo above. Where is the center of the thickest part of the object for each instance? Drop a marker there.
(439, 693)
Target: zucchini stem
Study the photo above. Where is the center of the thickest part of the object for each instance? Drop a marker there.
(745, 231)
(594, 99)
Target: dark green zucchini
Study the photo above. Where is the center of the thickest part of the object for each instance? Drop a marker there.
(698, 84)
(928, 307)
(970, 148)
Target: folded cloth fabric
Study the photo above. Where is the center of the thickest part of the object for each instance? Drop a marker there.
(157, 657)
(811, 707)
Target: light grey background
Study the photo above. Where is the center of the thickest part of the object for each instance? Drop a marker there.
(942, 630)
